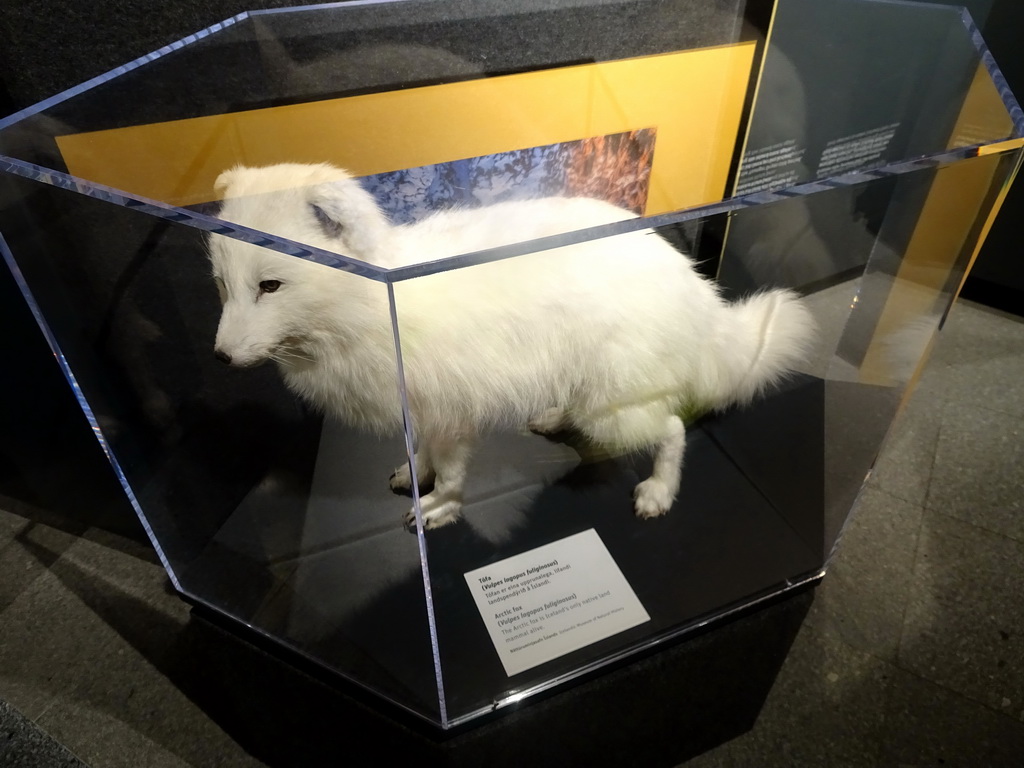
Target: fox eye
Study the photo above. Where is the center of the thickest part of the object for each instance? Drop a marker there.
(269, 286)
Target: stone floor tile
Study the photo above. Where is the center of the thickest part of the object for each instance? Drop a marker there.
(978, 475)
(865, 590)
(964, 626)
(904, 467)
(24, 745)
(979, 358)
(928, 725)
(822, 711)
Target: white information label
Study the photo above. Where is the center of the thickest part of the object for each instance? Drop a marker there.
(552, 600)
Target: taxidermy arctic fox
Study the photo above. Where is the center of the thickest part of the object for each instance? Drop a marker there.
(613, 338)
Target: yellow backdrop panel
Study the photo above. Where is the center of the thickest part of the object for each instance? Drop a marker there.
(693, 98)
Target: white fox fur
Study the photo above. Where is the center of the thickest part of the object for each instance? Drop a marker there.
(613, 337)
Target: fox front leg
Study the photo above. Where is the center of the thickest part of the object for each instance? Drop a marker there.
(442, 506)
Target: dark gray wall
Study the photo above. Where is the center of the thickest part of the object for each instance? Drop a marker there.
(51, 45)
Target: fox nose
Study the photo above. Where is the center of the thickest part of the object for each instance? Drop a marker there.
(224, 357)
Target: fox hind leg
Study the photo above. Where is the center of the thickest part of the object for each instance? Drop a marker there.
(638, 426)
(654, 496)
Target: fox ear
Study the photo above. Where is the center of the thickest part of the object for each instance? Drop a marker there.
(332, 227)
(343, 209)
(226, 180)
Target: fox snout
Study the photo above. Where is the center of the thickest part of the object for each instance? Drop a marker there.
(238, 349)
(245, 337)
(240, 358)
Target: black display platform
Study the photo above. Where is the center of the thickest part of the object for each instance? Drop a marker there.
(656, 712)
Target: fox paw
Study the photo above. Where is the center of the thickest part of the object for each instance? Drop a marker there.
(436, 512)
(401, 479)
(652, 498)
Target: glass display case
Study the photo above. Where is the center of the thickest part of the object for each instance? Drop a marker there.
(474, 244)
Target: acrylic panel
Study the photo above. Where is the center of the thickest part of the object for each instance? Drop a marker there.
(857, 157)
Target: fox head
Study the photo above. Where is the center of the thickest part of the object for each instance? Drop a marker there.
(276, 306)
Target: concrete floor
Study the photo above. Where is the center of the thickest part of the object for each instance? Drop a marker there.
(912, 654)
